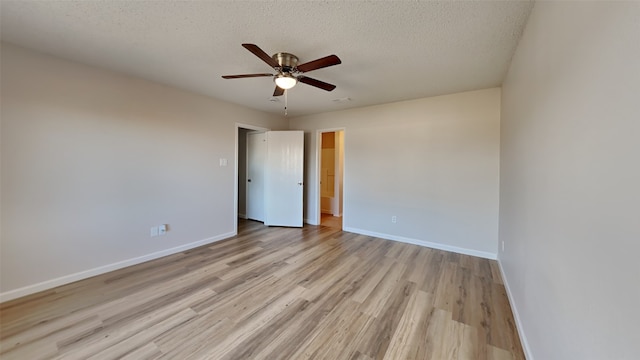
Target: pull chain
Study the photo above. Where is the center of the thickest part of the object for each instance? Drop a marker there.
(286, 102)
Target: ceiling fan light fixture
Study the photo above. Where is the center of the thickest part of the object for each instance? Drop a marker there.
(285, 81)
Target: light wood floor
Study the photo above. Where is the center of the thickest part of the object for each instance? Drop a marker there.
(274, 293)
(331, 221)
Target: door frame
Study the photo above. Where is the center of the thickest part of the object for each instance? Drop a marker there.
(318, 175)
(239, 126)
(249, 162)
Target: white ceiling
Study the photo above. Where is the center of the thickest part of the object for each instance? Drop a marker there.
(390, 50)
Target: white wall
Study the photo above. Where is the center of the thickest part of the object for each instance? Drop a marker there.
(92, 159)
(433, 163)
(570, 181)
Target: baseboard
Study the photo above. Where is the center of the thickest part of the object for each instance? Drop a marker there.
(67, 279)
(310, 222)
(516, 315)
(455, 249)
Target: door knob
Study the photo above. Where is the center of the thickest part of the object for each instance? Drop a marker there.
(248, 180)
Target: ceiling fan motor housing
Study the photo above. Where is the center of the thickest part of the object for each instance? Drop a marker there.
(286, 61)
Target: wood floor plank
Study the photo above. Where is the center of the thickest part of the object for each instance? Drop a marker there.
(194, 339)
(377, 299)
(243, 330)
(131, 343)
(407, 338)
(59, 329)
(317, 344)
(372, 281)
(447, 289)
(146, 352)
(495, 353)
(387, 320)
(175, 313)
(275, 293)
(263, 341)
(437, 335)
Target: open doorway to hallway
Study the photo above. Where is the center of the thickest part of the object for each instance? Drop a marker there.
(331, 171)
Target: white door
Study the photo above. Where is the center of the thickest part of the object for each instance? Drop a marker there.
(284, 178)
(256, 159)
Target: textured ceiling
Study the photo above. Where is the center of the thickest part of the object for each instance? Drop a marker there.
(390, 50)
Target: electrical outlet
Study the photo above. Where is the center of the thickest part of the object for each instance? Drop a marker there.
(162, 229)
(154, 231)
(394, 219)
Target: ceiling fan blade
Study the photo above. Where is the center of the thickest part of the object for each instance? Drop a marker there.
(317, 83)
(261, 54)
(278, 91)
(245, 76)
(319, 63)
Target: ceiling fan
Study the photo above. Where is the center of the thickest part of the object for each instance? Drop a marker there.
(288, 72)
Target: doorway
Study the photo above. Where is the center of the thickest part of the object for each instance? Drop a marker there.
(330, 177)
(241, 165)
(269, 173)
